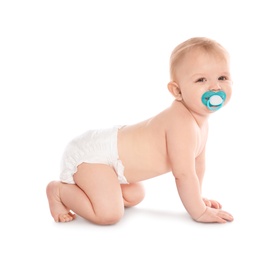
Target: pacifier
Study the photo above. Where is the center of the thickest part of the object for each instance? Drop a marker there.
(213, 99)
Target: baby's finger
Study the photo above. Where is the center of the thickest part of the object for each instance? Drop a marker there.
(225, 215)
(215, 204)
(207, 202)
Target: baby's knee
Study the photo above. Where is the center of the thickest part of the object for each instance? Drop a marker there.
(109, 217)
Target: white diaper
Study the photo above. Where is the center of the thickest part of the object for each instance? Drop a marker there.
(94, 146)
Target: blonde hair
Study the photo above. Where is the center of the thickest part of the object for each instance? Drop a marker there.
(183, 48)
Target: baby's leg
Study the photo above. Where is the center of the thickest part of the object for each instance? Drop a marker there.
(103, 202)
(96, 196)
(132, 194)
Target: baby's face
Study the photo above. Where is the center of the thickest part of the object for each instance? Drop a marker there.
(200, 72)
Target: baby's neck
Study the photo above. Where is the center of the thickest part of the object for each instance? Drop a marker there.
(200, 119)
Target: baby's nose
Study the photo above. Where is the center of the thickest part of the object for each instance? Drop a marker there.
(215, 87)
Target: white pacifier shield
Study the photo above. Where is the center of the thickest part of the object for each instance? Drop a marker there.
(215, 100)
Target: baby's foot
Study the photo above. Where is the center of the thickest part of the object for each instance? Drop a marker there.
(59, 211)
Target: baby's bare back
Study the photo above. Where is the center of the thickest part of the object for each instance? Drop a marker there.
(142, 150)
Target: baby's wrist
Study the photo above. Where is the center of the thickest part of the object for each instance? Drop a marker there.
(199, 216)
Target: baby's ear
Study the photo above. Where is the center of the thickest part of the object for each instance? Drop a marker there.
(175, 90)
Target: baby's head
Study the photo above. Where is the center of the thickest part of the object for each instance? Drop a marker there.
(200, 74)
(200, 43)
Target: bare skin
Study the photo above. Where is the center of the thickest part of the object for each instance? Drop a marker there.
(99, 205)
(172, 141)
(58, 210)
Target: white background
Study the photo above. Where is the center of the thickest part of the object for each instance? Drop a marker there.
(67, 66)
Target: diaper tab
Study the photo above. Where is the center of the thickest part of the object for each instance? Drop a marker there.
(119, 168)
(214, 100)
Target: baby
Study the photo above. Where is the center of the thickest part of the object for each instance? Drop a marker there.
(102, 170)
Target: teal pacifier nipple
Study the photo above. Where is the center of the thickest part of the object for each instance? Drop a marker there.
(213, 99)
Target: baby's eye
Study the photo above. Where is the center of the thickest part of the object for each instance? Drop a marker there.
(222, 78)
(201, 80)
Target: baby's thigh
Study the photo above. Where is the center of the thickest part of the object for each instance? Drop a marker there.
(132, 193)
(100, 183)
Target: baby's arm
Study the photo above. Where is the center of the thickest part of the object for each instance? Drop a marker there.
(182, 144)
(182, 147)
(200, 170)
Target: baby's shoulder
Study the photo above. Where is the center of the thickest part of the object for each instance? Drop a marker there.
(177, 116)
(179, 124)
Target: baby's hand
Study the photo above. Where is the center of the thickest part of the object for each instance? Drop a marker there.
(212, 203)
(215, 215)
